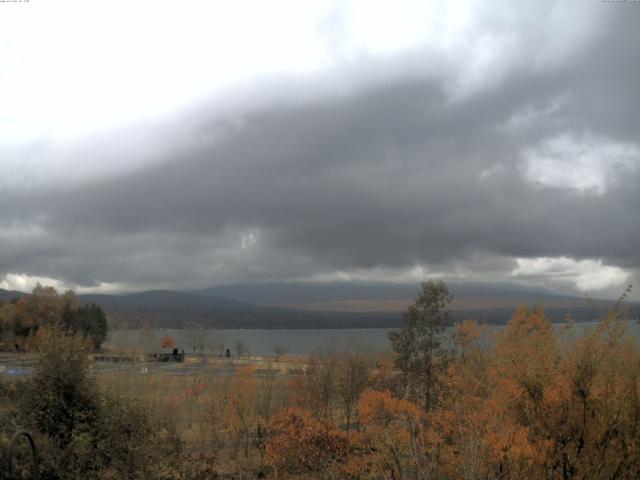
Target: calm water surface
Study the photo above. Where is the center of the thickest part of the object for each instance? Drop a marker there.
(299, 342)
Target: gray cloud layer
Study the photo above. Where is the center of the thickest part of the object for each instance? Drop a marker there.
(393, 175)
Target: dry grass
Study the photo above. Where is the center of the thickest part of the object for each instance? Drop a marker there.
(194, 393)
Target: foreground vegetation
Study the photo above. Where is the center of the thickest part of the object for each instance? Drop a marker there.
(531, 403)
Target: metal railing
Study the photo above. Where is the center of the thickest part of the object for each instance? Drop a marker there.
(10, 454)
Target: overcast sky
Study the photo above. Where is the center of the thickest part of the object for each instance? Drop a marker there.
(191, 144)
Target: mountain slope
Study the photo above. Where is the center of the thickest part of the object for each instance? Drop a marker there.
(176, 309)
(326, 305)
(8, 295)
(490, 302)
(362, 296)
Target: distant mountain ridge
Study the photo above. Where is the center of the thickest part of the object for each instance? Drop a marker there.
(290, 293)
(8, 295)
(489, 302)
(325, 305)
(170, 308)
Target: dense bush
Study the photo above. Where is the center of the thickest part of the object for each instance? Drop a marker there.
(80, 431)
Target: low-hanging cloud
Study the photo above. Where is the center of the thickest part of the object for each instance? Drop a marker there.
(408, 174)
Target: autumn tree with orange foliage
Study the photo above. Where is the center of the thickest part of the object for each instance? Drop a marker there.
(353, 378)
(397, 440)
(42, 309)
(478, 440)
(466, 336)
(543, 406)
(240, 419)
(302, 444)
(30, 319)
(578, 399)
(167, 342)
(316, 388)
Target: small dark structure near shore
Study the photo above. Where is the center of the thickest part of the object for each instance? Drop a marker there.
(169, 357)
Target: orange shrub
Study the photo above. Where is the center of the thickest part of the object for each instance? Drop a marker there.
(167, 342)
(300, 443)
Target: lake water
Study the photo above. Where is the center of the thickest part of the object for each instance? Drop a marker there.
(298, 342)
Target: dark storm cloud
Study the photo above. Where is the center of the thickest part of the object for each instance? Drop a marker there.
(394, 176)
